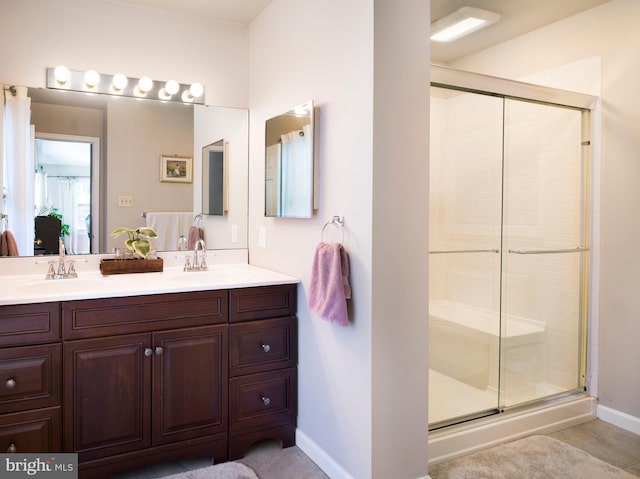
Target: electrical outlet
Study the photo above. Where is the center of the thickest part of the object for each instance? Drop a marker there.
(126, 201)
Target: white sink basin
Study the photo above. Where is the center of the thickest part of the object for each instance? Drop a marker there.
(211, 277)
(53, 285)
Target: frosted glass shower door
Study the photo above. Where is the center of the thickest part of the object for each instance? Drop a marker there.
(543, 252)
(464, 262)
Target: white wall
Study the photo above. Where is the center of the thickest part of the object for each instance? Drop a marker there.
(362, 389)
(111, 37)
(608, 31)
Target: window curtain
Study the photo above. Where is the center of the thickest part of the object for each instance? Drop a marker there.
(18, 167)
(68, 195)
(296, 173)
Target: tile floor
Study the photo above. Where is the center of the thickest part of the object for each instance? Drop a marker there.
(602, 440)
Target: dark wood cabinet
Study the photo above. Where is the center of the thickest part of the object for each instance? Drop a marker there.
(31, 431)
(30, 378)
(263, 375)
(148, 383)
(190, 383)
(107, 396)
(131, 381)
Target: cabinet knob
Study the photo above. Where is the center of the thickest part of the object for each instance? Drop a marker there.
(12, 448)
(266, 348)
(266, 400)
(148, 352)
(10, 384)
(159, 351)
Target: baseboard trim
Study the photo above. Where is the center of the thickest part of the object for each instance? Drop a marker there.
(330, 467)
(456, 441)
(318, 455)
(619, 418)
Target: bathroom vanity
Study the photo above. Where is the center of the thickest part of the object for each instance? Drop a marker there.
(203, 366)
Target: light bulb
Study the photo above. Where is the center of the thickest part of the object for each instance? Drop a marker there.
(145, 84)
(119, 81)
(61, 74)
(91, 78)
(172, 87)
(196, 90)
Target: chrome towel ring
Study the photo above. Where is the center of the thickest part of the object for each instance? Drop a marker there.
(338, 222)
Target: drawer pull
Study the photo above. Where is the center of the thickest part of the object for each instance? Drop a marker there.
(266, 348)
(158, 350)
(12, 448)
(266, 400)
(148, 352)
(10, 384)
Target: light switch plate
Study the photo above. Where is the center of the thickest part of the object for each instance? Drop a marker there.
(125, 201)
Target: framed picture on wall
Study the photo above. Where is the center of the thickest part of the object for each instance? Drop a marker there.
(176, 169)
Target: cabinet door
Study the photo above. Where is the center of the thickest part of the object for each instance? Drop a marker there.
(190, 383)
(106, 395)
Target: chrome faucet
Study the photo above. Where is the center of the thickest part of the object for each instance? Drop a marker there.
(62, 272)
(182, 243)
(198, 263)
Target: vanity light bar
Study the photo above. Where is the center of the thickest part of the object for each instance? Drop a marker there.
(61, 78)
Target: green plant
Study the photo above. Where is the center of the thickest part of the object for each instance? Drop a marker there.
(64, 229)
(138, 239)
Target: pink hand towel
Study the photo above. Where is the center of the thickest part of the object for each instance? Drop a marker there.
(9, 245)
(330, 288)
(195, 233)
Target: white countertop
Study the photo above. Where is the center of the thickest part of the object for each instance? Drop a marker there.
(33, 288)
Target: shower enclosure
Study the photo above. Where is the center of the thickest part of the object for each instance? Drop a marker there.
(508, 249)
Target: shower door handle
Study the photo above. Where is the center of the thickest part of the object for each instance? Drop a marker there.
(577, 249)
(465, 251)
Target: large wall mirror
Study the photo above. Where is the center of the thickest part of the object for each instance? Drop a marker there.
(289, 163)
(98, 165)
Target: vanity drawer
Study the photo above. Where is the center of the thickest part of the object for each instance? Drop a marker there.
(30, 377)
(263, 302)
(136, 314)
(29, 323)
(262, 400)
(31, 432)
(263, 345)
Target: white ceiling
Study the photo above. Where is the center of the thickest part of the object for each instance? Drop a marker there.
(517, 17)
(233, 11)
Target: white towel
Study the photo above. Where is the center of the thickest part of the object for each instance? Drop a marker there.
(186, 221)
(167, 225)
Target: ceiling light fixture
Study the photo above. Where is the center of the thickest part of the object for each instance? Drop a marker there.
(462, 22)
(61, 78)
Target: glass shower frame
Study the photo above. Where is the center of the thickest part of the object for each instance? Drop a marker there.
(522, 93)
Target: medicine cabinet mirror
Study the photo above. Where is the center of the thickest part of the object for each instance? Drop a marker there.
(214, 184)
(289, 163)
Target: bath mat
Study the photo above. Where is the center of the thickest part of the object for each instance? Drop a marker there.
(225, 470)
(535, 457)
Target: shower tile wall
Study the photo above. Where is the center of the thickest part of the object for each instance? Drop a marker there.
(465, 196)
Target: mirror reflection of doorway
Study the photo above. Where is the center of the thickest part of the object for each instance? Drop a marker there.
(66, 187)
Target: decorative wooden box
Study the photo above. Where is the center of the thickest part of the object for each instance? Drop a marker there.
(125, 266)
